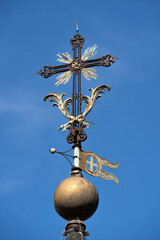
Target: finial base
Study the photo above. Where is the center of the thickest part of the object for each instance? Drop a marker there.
(75, 229)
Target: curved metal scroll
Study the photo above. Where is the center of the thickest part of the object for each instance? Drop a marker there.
(57, 99)
(90, 101)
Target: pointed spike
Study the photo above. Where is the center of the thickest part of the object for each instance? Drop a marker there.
(40, 72)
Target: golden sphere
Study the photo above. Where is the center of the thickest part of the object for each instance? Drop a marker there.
(76, 197)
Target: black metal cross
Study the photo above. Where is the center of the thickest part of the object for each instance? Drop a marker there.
(76, 133)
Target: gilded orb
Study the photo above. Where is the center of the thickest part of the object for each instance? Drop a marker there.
(76, 197)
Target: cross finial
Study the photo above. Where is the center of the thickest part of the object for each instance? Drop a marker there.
(77, 23)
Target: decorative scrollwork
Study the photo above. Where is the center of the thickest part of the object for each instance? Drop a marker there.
(70, 138)
(64, 106)
(106, 60)
(78, 40)
(76, 135)
(90, 101)
(82, 136)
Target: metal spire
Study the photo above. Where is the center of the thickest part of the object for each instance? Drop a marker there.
(71, 199)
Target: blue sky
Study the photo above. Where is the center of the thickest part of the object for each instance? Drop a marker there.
(126, 119)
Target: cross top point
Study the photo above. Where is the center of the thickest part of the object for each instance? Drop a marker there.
(77, 24)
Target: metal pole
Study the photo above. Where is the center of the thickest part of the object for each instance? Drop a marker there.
(76, 156)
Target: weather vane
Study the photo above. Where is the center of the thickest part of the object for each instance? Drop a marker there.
(83, 205)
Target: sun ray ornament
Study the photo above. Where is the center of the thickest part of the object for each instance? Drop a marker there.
(89, 52)
(66, 58)
(71, 108)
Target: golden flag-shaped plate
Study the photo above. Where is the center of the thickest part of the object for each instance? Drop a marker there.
(95, 169)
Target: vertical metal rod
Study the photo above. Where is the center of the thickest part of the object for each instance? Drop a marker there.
(79, 82)
(74, 80)
(76, 95)
(79, 52)
(73, 96)
(78, 102)
(79, 91)
(76, 105)
(74, 53)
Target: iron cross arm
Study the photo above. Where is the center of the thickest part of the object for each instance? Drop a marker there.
(104, 61)
(50, 70)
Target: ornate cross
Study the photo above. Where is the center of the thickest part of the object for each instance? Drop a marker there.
(75, 66)
(76, 120)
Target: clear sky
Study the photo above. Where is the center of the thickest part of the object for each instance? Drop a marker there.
(127, 119)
